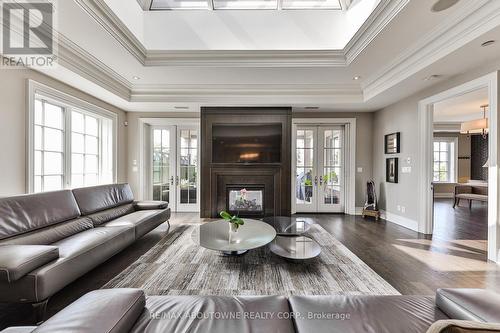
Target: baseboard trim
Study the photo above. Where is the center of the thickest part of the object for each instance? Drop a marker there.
(444, 195)
(399, 220)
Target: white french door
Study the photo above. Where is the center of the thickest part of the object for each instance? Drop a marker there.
(320, 169)
(175, 175)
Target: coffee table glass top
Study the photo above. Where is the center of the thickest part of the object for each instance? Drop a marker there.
(299, 248)
(288, 225)
(215, 236)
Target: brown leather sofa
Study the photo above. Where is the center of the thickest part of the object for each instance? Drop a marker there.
(48, 240)
(128, 310)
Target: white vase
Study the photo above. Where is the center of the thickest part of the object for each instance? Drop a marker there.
(233, 231)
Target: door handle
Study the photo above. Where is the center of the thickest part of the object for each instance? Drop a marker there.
(316, 181)
(177, 180)
(320, 180)
(172, 180)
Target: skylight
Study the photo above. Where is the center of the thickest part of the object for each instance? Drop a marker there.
(245, 4)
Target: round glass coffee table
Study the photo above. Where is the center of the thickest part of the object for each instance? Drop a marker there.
(288, 225)
(215, 236)
(291, 242)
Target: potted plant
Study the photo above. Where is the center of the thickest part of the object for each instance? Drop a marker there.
(234, 223)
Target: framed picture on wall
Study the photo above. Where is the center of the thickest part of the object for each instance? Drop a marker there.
(393, 143)
(391, 170)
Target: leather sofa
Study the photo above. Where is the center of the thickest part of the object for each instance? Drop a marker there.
(128, 310)
(48, 240)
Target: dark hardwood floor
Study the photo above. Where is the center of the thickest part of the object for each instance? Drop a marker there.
(413, 263)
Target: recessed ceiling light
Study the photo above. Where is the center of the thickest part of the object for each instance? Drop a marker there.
(488, 43)
(311, 108)
(356, 78)
(181, 107)
(431, 77)
(441, 5)
(136, 78)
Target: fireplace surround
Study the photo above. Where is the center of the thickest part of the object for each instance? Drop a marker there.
(271, 179)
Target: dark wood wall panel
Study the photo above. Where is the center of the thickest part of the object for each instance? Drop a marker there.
(275, 176)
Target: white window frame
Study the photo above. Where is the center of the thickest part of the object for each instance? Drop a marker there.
(453, 158)
(68, 102)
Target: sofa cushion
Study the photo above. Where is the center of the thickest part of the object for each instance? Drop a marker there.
(111, 214)
(78, 254)
(149, 205)
(371, 314)
(49, 235)
(109, 311)
(97, 198)
(203, 314)
(18, 260)
(143, 221)
(469, 304)
(25, 213)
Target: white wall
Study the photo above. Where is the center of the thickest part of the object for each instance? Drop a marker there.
(403, 117)
(13, 132)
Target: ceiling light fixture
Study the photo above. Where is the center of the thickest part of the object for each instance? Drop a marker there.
(442, 5)
(356, 78)
(311, 108)
(431, 77)
(476, 126)
(136, 78)
(488, 43)
(181, 107)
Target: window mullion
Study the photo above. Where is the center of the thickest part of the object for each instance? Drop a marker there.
(67, 148)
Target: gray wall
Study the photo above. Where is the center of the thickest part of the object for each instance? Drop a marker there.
(403, 117)
(13, 132)
(364, 155)
(363, 143)
(133, 175)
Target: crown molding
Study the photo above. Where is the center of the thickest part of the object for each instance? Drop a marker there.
(381, 16)
(79, 61)
(244, 58)
(145, 4)
(102, 13)
(191, 92)
(473, 20)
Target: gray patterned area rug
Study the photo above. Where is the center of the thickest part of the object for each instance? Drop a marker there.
(178, 266)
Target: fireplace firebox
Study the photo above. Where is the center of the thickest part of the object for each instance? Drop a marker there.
(245, 201)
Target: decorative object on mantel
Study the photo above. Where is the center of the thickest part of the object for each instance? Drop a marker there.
(476, 126)
(392, 170)
(371, 205)
(393, 143)
(234, 223)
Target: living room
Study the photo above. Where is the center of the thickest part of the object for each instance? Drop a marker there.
(260, 166)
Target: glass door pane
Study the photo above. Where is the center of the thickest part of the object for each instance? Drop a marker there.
(305, 169)
(188, 169)
(331, 180)
(163, 179)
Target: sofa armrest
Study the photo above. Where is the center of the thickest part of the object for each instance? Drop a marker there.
(18, 260)
(478, 305)
(150, 205)
(457, 326)
(105, 310)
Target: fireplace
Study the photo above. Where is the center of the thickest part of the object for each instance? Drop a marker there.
(245, 149)
(245, 201)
